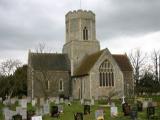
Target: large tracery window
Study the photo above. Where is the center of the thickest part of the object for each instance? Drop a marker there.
(106, 74)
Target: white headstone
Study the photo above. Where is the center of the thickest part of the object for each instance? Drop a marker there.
(114, 111)
(37, 118)
(123, 101)
(13, 100)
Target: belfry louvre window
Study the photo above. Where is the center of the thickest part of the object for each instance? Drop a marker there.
(85, 34)
(106, 74)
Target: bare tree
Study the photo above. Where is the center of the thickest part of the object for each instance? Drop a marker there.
(7, 69)
(138, 61)
(9, 66)
(155, 56)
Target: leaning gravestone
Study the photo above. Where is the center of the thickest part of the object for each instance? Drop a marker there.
(114, 111)
(37, 118)
(46, 108)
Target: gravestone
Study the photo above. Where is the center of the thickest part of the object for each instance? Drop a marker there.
(150, 111)
(13, 100)
(23, 103)
(37, 118)
(33, 102)
(78, 116)
(54, 111)
(126, 109)
(60, 108)
(1, 100)
(86, 109)
(145, 104)
(61, 100)
(17, 117)
(123, 99)
(6, 113)
(82, 101)
(92, 101)
(114, 111)
(133, 115)
(139, 106)
(22, 112)
(99, 115)
(29, 99)
(71, 99)
(46, 108)
(42, 101)
(57, 101)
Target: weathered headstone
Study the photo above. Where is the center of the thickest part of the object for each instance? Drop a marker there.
(78, 116)
(139, 106)
(82, 101)
(60, 108)
(86, 109)
(99, 115)
(23, 103)
(92, 101)
(71, 99)
(33, 102)
(42, 101)
(13, 100)
(57, 100)
(37, 118)
(61, 100)
(150, 111)
(133, 115)
(46, 108)
(1, 99)
(114, 111)
(22, 112)
(145, 104)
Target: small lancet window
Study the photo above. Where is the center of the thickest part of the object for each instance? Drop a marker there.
(85, 34)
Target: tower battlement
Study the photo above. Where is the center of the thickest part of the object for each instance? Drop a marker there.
(87, 14)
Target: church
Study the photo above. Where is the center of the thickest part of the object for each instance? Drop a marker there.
(82, 70)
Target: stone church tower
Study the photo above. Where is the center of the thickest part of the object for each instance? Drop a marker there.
(80, 36)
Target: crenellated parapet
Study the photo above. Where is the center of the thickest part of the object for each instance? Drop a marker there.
(84, 14)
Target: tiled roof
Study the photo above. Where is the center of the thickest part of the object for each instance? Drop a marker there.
(87, 64)
(50, 61)
(123, 62)
(89, 61)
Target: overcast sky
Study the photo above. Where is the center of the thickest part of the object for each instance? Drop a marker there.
(122, 25)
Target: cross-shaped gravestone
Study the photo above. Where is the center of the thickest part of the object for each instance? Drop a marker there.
(123, 99)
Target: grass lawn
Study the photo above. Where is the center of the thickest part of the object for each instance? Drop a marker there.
(69, 111)
(76, 107)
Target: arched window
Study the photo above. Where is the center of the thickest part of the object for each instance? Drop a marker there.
(61, 85)
(106, 74)
(85, 34)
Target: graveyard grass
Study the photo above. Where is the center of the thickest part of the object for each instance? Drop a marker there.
(77, 107)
